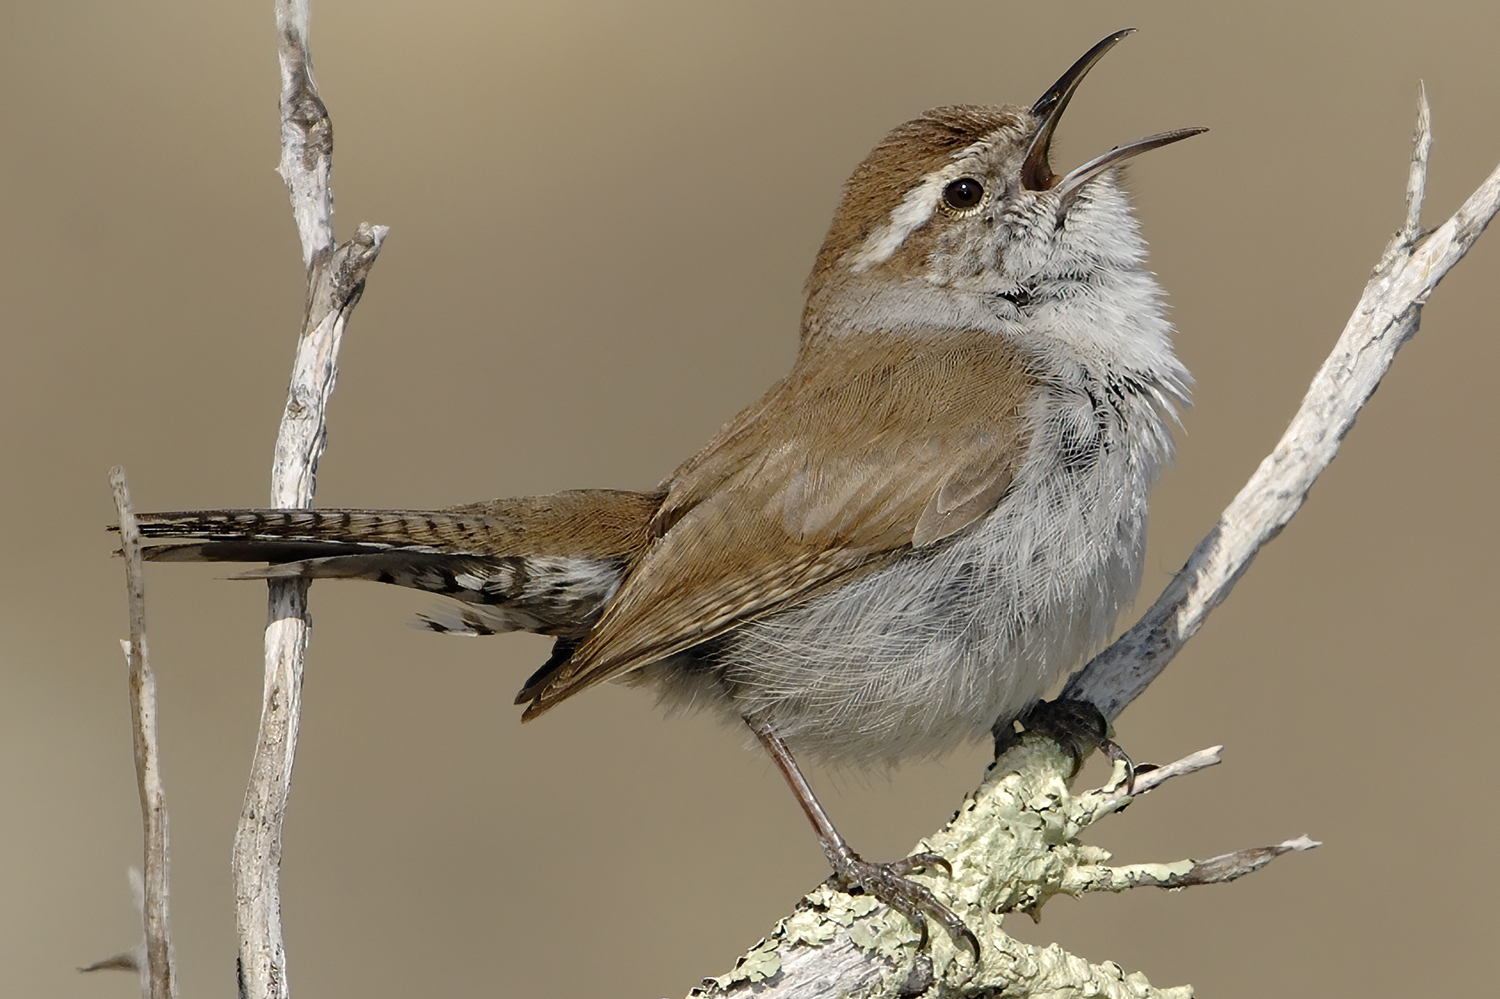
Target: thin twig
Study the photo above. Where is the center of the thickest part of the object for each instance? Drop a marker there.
(158, 979)
(1416, 178)
(1147, 780)
(335, 281)
(306, 134)
(1215, 870)
(1387, 315)
(1228, 866)
(1119, 793)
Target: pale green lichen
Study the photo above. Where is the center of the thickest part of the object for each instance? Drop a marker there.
(759, 963)
(1013, 845)
(809, 927)
(1097, 877)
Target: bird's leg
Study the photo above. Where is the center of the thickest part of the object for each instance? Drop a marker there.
(1079, 728)
(855, 875)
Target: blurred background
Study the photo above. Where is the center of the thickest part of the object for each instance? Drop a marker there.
(601, 215)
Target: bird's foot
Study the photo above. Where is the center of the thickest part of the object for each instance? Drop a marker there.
(889, 883)
(1079, 728)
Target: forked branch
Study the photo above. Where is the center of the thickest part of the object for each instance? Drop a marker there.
(1388, 314)
(335, 281)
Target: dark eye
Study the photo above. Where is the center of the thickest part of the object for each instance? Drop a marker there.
(963, 194)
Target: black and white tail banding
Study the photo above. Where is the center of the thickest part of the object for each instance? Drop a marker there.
(437, 552)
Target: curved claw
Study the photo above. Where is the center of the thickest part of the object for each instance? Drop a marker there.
(1112, 749)
(1079, 728)
(921, 862)
(915, 917)
(889, 884)
(962, 934)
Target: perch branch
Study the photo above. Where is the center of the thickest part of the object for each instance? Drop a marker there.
(1388, 314)
(158, 977)
(1014, 843)
(335, 280)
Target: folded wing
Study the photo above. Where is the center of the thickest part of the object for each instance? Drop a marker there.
(856, 458)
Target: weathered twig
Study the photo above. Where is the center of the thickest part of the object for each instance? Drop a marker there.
(335, 281)
(1013, 844)
(1416, 178)
(1119, 793)
(306, 134)
(1147, 780)
(1214, 870)
(158, 978)
(1388, 314)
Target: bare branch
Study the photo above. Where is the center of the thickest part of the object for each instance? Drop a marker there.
(1416, 179)
(306, 134)
(335, 285)
(1387, 315)
(158, 980)
(1147, 780)
(335, 279)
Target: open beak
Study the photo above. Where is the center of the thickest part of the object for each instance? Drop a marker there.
(1036, 171)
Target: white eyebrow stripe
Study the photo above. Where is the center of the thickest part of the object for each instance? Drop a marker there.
(916, 207)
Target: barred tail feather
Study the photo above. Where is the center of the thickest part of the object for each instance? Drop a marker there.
(447, 553)
(547, 564)
(276, 535)
(587, 523)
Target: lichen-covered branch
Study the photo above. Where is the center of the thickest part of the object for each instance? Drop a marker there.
(1388, 314)
(158, 977)
(1214, 870)
(335, 281)
(1014, 843)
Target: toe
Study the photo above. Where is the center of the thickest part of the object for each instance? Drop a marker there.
(889, 884)
(921, 862)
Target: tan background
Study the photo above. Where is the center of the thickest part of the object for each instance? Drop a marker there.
(601, 216)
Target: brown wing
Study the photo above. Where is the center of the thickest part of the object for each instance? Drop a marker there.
(860, 453)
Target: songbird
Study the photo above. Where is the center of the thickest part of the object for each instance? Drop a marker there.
(906, 541)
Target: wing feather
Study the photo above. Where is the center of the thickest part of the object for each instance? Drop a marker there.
(856, 457)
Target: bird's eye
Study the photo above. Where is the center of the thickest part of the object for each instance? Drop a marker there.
(963, 195)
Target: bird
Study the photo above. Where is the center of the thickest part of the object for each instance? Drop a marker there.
(905, 542)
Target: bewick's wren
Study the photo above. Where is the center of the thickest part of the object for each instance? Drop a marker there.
(907, 540)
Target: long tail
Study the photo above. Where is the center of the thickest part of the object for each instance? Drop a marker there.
(540, 563)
